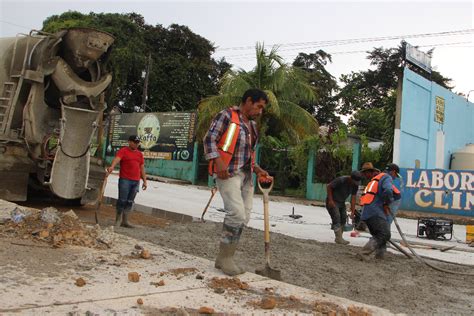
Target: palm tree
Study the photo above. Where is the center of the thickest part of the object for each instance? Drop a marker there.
(285, 86)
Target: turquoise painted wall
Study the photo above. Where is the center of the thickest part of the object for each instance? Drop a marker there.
(418, 128)
(174, 169)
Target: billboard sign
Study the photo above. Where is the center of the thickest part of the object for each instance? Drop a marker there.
(438, 191)
(163, 135)
(418, 58)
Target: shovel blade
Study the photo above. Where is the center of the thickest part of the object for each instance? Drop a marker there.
(269, 273)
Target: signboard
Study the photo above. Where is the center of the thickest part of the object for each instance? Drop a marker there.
(439, 110)
(418, 58)
(438, 191)
(163, 135)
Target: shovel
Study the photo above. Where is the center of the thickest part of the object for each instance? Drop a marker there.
(100, 197)
(267, 271)
(213, 192)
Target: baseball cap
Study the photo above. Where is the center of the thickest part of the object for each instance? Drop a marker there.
(134, 138)
(356, 176)
(393, 167)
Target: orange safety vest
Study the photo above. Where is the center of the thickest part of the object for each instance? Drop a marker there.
(372, 188)
(226, 144)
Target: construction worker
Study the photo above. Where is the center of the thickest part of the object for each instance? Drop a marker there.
(375, 201)
(338, 190)
(132, 168)
(368, 171)
(229, 145)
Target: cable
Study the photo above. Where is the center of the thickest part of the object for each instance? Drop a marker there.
(418, 256)
(357, 40)
(252, 56)
(22, 26)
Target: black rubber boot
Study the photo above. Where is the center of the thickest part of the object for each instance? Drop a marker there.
(118, 219)
(368, 248)
(339, 239)
(125, 222)
(225, 259)
(229, 242)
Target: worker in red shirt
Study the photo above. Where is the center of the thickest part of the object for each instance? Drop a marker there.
(132, 168)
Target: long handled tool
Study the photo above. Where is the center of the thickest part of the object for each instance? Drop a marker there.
(213, 192)
(267, 271)
(100, 197)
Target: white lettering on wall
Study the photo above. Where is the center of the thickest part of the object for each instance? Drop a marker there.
(423, 181)
(451, 185)
(410, 183)
(437, 180)
(438, 200)
(456, 200)
(467, 181)
(419, 200)
(469, 201)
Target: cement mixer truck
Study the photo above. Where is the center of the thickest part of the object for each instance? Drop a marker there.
(52, 90)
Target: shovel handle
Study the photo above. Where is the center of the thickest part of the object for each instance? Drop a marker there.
(266, 219)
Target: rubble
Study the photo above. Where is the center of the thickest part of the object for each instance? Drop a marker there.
(206, 310)
(268, 303)
(51, 226)
(140, 301)
(80, 282)
(133, 277)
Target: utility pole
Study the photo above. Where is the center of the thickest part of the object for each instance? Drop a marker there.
(145, 84)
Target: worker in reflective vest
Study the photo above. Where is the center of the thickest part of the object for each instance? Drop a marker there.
(229, 145)
(375, 201)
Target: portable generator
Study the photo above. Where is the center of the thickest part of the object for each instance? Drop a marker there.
(434, 228)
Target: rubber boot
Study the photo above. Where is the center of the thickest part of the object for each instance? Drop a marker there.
(118, 219)
(368, 248)
(125, 222)
(380, 253)
(225, 259)
(339, 239)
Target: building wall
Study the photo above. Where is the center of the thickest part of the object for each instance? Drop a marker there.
(419, 136)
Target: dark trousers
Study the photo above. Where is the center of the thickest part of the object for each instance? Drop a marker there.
(128, 189)
(380, 230)
(338, 215)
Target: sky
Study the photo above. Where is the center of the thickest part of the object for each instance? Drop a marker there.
(296, 26)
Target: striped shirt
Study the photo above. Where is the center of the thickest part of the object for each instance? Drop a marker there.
(244, 145)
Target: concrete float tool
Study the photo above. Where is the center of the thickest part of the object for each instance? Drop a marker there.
(213, 192)
(267, 271)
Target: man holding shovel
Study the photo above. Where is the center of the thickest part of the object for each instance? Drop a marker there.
(132, 168)
(229, 145)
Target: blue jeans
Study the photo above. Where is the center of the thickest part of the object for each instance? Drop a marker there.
(128, 189)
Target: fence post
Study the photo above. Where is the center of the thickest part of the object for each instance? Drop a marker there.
(195, 167)
(310, 175)
(356, 156)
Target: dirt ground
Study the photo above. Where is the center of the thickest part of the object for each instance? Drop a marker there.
(398, 284)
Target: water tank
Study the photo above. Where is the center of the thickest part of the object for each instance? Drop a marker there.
(463, 159)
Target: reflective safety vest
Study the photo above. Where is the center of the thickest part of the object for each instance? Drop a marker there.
(372, 188)
(226, 144)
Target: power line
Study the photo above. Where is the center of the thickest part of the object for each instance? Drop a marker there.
(22, 26)
(251, 57)
(356, 40)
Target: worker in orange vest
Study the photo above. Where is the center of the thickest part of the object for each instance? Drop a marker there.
(230, 145)
(378, 195)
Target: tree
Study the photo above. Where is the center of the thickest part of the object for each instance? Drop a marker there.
(285, 87)
(372, 93)
(324, 107)
(182, 73)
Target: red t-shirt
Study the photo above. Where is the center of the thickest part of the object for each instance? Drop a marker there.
(130, 163)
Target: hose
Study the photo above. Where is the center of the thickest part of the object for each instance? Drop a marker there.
(418, 256)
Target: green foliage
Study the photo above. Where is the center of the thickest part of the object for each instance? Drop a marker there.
(182, 70)
(324, 107)
(285, 86)
(370, 96)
